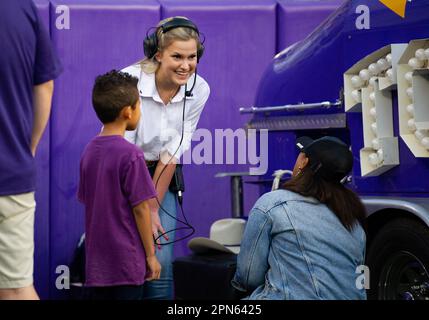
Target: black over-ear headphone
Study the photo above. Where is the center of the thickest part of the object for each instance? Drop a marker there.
(150, 44)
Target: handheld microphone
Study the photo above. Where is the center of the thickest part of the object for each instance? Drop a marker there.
(179, 182)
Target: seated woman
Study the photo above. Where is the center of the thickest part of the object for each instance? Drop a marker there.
(307, 240)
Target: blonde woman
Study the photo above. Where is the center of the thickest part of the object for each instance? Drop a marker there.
(172, 98)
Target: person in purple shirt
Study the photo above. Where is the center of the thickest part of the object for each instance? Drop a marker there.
(28, 65)
(115, 186)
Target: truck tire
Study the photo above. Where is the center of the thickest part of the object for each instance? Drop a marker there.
(398, 261)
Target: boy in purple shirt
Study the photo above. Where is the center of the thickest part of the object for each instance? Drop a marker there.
(115, 187)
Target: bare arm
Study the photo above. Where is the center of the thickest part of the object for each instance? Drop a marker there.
(143, 221)
(42, 97)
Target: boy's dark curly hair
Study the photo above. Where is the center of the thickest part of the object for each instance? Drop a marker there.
(112, 92)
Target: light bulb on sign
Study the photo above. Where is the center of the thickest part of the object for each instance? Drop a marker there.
(389, 74)
(380, 155)
(410, 109)
(415, 63)
(411, 125)
(373, 112)
(375, 144)
(427, 53)
(357, 82)
(409, 77)
(372, 96)
(425, 142)
(364, 74)
(356, 95)
(374, 69)
(383, 64)
(389, 59)
(410, 93)
(373, 159)
(374, 128)
(420, 134)
(373, 81)
(420, 54)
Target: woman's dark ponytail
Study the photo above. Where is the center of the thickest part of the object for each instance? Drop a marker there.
(342, 201)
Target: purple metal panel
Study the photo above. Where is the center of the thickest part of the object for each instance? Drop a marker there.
(41, 235)
(298, 18)
(312, 71)
(240, 42)
(103, 35)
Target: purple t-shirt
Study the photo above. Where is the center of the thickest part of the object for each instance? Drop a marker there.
(27, 58)
(113, 179)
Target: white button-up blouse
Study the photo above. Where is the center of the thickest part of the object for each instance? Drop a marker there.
(160, 126)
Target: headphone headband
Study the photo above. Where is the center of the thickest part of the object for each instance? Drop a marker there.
(150, 44)
(178, 23)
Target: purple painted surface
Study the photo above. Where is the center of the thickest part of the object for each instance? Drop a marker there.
(240, 42)
(313, 71)
(103, 34)
(41, 236)
(298, 18)
(296, 76)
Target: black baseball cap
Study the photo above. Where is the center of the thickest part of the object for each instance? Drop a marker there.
(329, 156)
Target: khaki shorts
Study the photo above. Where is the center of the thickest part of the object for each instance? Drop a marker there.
(16, 240)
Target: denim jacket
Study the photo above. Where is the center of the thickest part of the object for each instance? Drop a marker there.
(294, 247)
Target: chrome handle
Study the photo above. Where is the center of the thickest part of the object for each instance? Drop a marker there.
(292, 107)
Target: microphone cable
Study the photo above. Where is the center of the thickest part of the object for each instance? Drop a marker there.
(187, 226)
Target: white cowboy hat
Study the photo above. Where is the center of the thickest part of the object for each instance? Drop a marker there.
(225, 236)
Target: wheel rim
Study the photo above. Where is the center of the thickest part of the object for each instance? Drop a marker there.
(404, 277)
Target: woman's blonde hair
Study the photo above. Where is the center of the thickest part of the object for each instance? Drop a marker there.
(151, 65)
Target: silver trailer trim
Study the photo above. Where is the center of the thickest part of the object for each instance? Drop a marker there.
(417, 206)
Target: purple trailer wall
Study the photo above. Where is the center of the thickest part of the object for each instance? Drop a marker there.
(298, 18)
